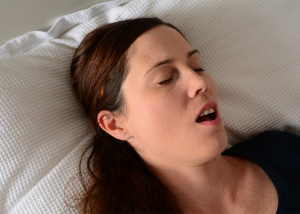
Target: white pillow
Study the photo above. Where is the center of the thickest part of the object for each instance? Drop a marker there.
(250, 48)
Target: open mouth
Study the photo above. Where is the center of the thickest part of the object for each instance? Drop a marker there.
(208, 117)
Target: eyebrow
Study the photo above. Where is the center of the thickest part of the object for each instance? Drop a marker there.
(171, 60)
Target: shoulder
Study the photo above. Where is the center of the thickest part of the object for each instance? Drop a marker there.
(270, 147)
(273, 150)
(270, 140)
(278, 154)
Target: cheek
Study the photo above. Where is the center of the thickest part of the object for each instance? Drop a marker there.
(154, 108)
(152, 114)
(213, 87)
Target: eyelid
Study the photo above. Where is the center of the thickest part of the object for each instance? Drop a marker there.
(199, 69)
(170, 79)
(166, 81)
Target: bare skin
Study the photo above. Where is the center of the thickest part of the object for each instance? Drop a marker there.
(162, 102)
(242, 187)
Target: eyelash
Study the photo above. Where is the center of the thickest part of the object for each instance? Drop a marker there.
(165, 82)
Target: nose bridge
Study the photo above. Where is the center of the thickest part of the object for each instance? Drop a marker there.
(196, 83)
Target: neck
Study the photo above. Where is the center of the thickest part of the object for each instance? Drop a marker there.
(197, 186)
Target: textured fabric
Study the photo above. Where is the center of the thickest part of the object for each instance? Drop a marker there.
(250, 48)
(278, 154)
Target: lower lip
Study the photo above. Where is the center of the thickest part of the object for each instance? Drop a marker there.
(214, 122)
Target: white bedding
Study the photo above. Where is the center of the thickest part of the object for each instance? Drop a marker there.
(250, 48)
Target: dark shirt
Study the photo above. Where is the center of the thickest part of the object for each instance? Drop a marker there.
(278, 154)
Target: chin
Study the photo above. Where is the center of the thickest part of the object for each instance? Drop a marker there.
(223, 139)
(220, 141)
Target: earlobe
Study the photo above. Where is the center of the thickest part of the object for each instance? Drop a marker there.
(109, 123)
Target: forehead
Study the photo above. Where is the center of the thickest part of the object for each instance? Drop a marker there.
(156, 44)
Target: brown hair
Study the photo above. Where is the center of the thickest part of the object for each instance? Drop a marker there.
(119, 181)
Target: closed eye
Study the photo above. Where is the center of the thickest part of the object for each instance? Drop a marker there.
(170, 79)
(198, 70)
(166, 81)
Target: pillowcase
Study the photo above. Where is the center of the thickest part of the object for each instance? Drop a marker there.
(251, 49)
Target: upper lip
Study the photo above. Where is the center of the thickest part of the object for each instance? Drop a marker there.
(208, 106)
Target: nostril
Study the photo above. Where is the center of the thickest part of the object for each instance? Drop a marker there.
(198, 91)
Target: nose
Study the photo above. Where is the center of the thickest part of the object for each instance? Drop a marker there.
(197, 83)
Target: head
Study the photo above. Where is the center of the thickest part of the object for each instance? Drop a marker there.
(141, 82)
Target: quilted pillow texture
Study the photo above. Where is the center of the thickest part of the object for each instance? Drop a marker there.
(250, 48)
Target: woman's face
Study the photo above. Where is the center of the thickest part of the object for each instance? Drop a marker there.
(164, 92)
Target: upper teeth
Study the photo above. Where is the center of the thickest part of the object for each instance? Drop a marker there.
(207, 111)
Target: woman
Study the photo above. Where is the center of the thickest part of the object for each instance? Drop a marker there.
(159, 139)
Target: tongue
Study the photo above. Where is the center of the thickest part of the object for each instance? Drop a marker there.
(203, 118)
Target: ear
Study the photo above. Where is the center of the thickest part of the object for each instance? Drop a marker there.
(109, 123)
